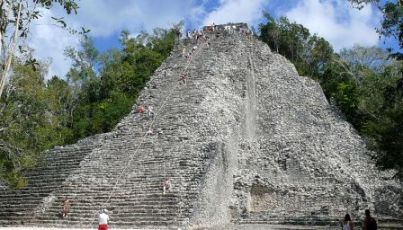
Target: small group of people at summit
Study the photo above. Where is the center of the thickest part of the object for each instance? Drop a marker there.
(369, 222)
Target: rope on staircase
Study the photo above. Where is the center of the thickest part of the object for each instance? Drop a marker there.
(150, 127)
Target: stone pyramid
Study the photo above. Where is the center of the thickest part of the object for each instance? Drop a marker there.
(244, 139)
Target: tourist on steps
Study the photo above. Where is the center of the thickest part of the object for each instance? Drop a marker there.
(184, 52)
(141, 109)
(369, 221)
(103, 220)
(66, 207)
(150, 131)
(150, 111)
(189, 55)
(178, 34)
(166, 185)
(183, 78)
(347, 224)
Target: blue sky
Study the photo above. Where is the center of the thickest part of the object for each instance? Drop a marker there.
(335, 20)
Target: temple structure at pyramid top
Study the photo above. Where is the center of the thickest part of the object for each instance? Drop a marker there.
(242, 137)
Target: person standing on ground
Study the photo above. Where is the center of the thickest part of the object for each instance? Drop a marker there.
(347, 224)
(66, 207)
(103, 220)
(369, 221)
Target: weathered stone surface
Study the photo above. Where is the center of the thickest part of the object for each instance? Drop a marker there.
(245, 140)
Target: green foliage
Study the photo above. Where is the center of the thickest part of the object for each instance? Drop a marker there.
(69, 5)
(27, 123)
(308, 53)
(391, 23)
(384, 128)
(100, 89)
(105, 97)
(15, 19)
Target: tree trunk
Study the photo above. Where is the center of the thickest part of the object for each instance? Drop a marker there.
(1, 27)
(4, 75)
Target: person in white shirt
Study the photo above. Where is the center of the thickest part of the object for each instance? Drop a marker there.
(347, 224)
(103, 220)
(150, 111)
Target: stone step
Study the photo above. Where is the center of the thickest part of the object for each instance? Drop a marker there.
(132, 183)
(302, 221)
(60, 165)
(171, 210)
(152, 175)
(117, 200)
(121, 201)
(100, 193)
(19, 197)
(113, 224)
(129, 209)
(105, 167)
(123, 206)
(64, 152)
(50, 160)
(389, 223)
(55, 181)
(141, 211)
(127, 152)
(118, 167)
(132, 195)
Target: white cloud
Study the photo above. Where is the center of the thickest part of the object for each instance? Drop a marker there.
(336, 21)
(110, 16)
(49, 42)
(236, 11)
(105, 18)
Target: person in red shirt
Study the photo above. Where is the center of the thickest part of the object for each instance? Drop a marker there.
(141, 109)
(103, 220)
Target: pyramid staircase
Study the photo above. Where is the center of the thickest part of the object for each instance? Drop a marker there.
(121, 171)
(17, 205)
